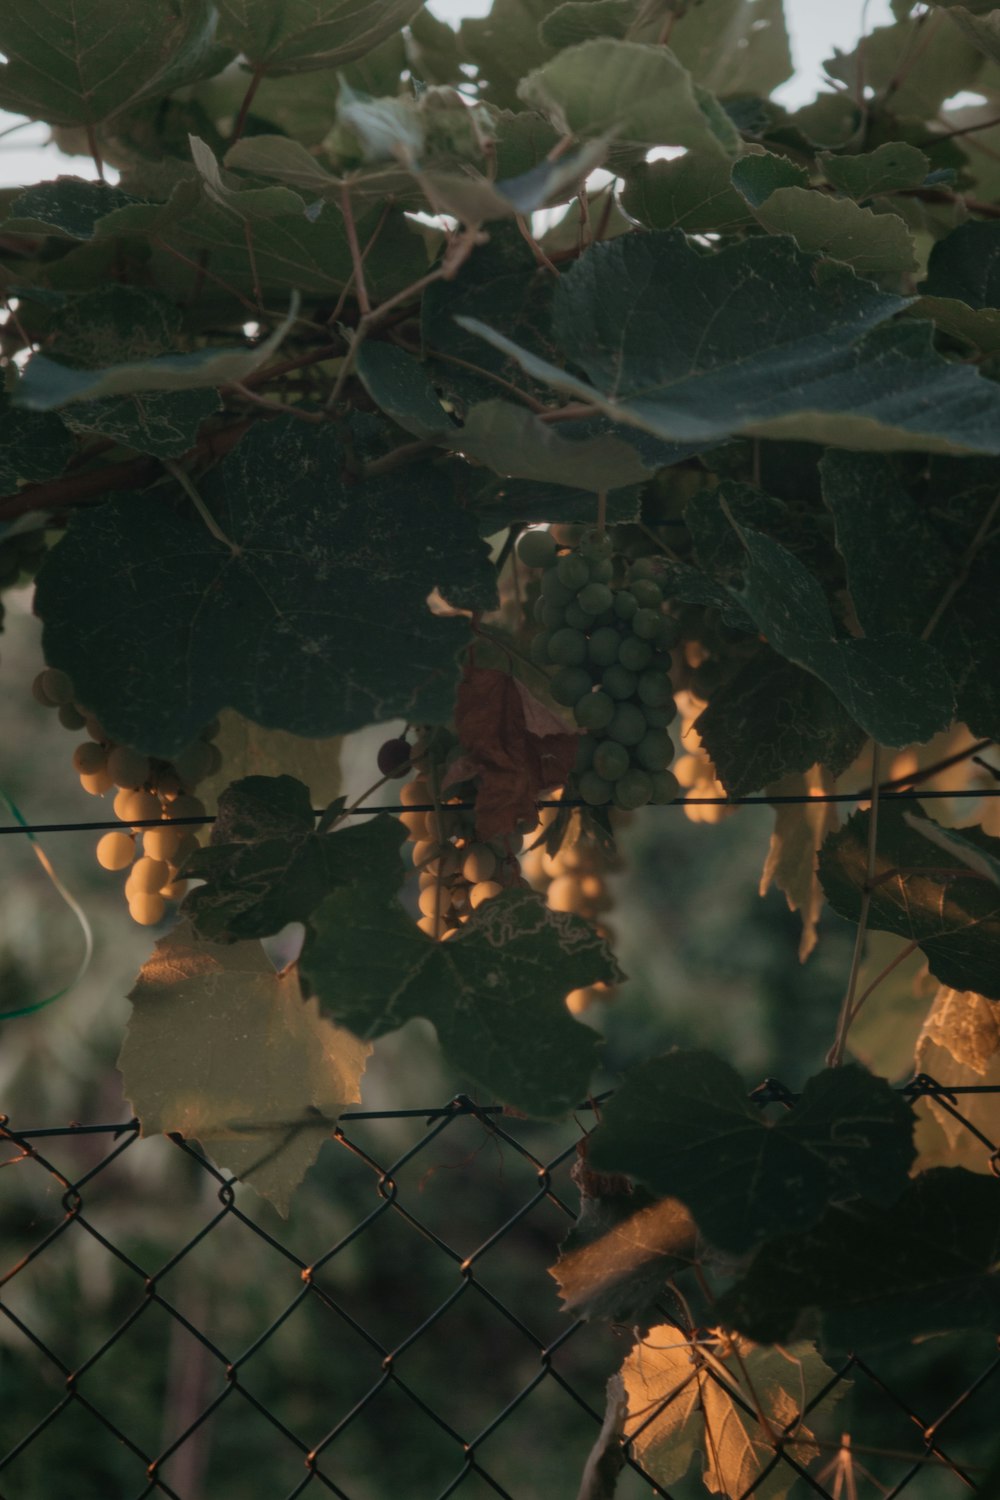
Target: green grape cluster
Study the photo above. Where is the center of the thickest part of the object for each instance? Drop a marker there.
(606, 637)
(145, 788)
(456, 872)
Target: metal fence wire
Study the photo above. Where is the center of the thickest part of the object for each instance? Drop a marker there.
(165, 1334)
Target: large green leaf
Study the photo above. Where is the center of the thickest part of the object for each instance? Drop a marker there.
(733, 47)
(504, 979)
(875, 245)
(955, 917)
(932, 544)
(314, 621)
(693, 193)
(698, 346)
(868, 1276)
(892, 167)
(294, 36)
(33, 446)
(222, 1049)
(772, 719)
(130, 322)
(638, 95)
(925, 63)
(962, 289)
(895, 687)
(504, 44)
(267, 866)
(682, 1125)
(68, 208)
(77, 62)
(123, 322)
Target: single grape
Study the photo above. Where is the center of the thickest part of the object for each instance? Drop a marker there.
(70, 716)
(568, 648)
(646, 624)
(635, 654)
(57, 685)
(115, 851)
(625, 604)
(555, 589)
(136, 807)
(393, 758)
(602, 570)
(655, 750)
(161, 843)
(648, 594)
(603, 646)
(128, 768)
(146, 908)
(415, 792)
(595, 545)
(659, 716)
(564, 894)
(96, 782)
(634, 789)
(594, 710)
(551, 615)
(569, 684)
(89, 758)
(538, 648)
(578, 618)
(628, 725)
(536, 549)
(595, 598)
(611, 760)
(432, 926)
(573, 571)
(433, 899)
(479, 864)
(147, 875)
(185, 807)
(618, 681)
(594, 789)
(654, 689)
(484, 890)
(665, 787)
(38, 691)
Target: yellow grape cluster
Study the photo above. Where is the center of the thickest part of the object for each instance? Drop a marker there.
(574, 879)
(456, 871)
(145, 789)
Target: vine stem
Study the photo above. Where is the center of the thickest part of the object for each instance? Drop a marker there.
(190, 489)
(357, 259)
(248, 99)
(95, 151)
(870, 989)
(836, 1054)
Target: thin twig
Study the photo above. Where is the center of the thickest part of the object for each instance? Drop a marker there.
(187, 484)
(964, 568)
(248, 99)
(836, 1054)
(357, 259)
(884, 973)
(95, 151)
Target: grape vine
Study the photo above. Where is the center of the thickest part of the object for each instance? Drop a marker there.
(609, 497)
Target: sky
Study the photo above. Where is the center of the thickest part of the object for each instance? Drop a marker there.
(816, 28)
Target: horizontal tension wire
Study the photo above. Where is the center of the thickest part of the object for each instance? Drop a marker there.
(398, 807)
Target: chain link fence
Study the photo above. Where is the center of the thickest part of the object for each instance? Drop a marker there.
(165, 1334)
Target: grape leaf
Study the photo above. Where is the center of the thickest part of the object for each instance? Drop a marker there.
(875, 245)
(693, 193)
(799, 831)
(773, 720)
(895, 687)
(960, 1043)
(893, 166)
(73, 65)
(955, 920)
(931, 557)
(797, 354)
(682, 1125)
(514, 747)
(33, 446)
(504, 44)
(616, 1260)
(978, 23)
(579, 20)
(681, 1399)
(293, 36)
(868, 1276)
(733, 47)
(222, 1049)
(68, 208)
(962, 289)
(756, 177)
(504, 977)
(267, 866)
(316, 623)
(639, 95)
(938, 66)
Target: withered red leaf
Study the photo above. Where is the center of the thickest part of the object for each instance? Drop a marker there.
(518, 747)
